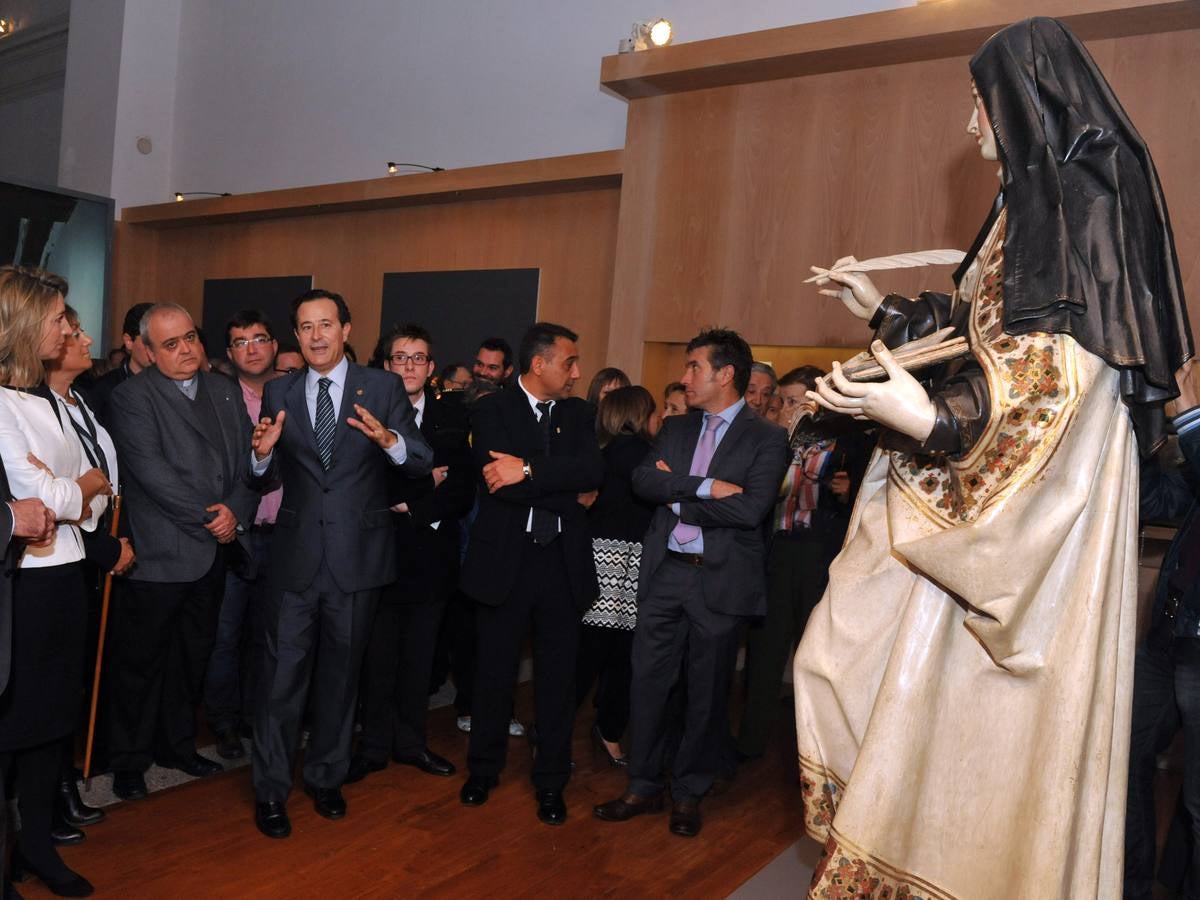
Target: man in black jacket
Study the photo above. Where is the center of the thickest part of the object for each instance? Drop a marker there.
(529, 559)
(716, 476)
(99, 392)
(1166, 677)
(396, 672)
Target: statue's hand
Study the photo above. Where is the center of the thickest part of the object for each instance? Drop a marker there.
(900, 403)
(857, 291)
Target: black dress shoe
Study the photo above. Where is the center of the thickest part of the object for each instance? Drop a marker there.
(551, 808)
(360, 768)
(272, 819)
(129, 785)
(427, 761)
(328, 802)
(627, 806)
(475, 790)
(685, 818)
(70, 884)
(198, 766)
(70, 806)
(63, 835)
(229, 744)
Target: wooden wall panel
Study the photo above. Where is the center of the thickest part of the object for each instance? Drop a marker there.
(730, 193)
(569, 236)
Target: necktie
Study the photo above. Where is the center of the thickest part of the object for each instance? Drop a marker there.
(323, 427)
(544, 526)
(684, 533)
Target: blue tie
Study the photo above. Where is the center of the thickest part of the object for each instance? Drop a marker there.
(325, 422)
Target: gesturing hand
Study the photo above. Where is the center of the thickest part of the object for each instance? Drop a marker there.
(900, 403)
(858, 293)
(266, 434)
(224, 525)
(503, 470)
(33, 521)
(371, 427)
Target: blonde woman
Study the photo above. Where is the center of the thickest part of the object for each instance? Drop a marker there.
(39, 708)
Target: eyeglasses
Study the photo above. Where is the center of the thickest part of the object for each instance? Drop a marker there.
(258, 340)
(418, 359)
(288, 371)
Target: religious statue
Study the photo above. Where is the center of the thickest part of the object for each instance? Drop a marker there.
(963, 688)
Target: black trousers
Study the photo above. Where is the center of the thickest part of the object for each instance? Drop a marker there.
(605, 652)
(160, 640)
(675, 628)
(1166, 698)
(332, 625)
(541, 599)
(395, 678)
(797, 572)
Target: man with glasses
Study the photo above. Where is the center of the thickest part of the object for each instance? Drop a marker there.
(395, 680)
(229, 682)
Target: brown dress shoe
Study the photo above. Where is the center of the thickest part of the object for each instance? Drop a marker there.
(626, 807)
(685, 818)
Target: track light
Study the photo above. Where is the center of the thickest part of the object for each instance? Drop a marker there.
(179, 195)
(392, 167)
(6, 27)
(644, 35)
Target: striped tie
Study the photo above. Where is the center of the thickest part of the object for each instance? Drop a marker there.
(324, 424)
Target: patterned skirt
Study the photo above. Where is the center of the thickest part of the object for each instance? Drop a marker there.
(617, 565)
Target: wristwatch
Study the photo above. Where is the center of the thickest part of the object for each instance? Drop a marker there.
(525, 469)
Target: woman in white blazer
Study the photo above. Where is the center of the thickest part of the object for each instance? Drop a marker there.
(43, 459)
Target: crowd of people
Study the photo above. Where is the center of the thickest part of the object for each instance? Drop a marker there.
(305, 549)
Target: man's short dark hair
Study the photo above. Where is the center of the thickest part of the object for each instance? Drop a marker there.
(538, 339)
(244, 318)
(726, 348)
(319, 294)
(498, 345)
(408, 331)
(133, 320)
(287, 345)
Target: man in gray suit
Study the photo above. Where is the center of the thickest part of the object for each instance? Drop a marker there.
(702, 574)
(183, 437)
(333, 549)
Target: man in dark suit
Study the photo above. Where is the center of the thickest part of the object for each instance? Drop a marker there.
(395, 685)
(137, 357)
(334, 548)
(702, 574)
(529, 560)
(184, 442)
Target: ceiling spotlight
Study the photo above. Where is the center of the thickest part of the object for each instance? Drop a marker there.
(393, 167)
(179, 195)
(644, 35)
(6, 27)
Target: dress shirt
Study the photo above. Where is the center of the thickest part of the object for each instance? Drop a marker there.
(533, 402)
(397, 453)
(188, 386)
(704, 491)
(268, 506)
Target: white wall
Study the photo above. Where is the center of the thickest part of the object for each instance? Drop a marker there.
(266, 94)
(32, 71)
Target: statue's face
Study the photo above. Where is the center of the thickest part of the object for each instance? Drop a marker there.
(979, 126)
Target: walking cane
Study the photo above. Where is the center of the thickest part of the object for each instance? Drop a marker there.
(108, 580)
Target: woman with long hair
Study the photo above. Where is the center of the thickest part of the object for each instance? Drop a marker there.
(605, 381)
(626, 425)
(43, 458)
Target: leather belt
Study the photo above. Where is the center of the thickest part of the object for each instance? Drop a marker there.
(692, 559)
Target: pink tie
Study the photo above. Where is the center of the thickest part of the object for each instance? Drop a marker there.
(684, 533)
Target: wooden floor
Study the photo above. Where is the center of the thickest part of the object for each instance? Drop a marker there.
(406, 834)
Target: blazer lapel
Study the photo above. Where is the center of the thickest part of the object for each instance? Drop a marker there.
(176, 400)
(352, 392)
(732, 435)
(296, 407)
(685, 448)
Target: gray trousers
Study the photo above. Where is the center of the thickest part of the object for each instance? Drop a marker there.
(324, 622)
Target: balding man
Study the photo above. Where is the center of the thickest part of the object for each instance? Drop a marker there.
(183, 437)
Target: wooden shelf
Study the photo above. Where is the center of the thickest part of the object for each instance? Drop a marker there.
(559, 174)
(928, 31)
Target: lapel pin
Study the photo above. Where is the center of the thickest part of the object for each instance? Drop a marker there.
(558, 430)
(358, 392)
